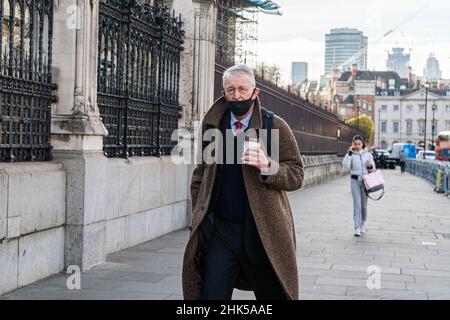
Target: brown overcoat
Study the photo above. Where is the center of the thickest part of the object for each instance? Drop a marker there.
(268, 202)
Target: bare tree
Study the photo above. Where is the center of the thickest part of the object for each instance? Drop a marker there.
(269, 73)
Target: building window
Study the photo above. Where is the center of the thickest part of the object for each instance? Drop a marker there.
(409, 127)
(409, 108)
(395, 126)
(384, 108)
(447, 108)
(447, 125)
(370, 107)
(396, 107)
(383, 126)
(421, 126)
(421, 108)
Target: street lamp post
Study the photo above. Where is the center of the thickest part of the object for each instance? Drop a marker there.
(357, 119)
(379, 127)
(425, 124)
(434, 107)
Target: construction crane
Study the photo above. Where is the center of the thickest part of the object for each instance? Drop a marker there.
(405, 21)
(364, 50)
(407, 42)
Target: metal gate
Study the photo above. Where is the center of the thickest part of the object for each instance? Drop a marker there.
(25, 79)
(138, 77)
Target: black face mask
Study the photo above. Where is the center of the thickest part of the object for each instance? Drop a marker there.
(240, 107)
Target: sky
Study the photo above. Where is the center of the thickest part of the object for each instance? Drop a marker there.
(299, 34)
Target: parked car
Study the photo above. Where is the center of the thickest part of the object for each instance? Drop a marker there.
(418, 149)
(429, 155)
(409, 148)
(396, 149)
(388, 161)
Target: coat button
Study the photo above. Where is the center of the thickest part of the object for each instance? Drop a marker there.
(203, 208)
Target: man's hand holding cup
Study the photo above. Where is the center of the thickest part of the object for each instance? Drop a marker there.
(254, 155)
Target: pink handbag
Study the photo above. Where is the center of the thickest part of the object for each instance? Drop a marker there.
(374, 182)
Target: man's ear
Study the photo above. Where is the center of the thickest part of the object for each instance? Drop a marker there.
(223, 93)
(257, 91)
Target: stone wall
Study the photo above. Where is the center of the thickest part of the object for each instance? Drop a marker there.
(320, 169)
(113, 203)
(147, 198)
(32, 218)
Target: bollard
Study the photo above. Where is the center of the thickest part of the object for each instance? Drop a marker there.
(447, 173)
(439, 182)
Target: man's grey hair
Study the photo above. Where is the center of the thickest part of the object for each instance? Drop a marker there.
(239, 69)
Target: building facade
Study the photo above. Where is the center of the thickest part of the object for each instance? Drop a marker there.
(299, 72)
(398, 62)
(402, 118)
(345, 47)
(432, 71)
(355, 91)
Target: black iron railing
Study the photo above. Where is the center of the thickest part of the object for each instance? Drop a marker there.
(138, 77)
(25, 80)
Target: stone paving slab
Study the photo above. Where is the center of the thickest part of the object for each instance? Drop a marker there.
(404, 240)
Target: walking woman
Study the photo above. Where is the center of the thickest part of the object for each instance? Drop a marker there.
(360, 162)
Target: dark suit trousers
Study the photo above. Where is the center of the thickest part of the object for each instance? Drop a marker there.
(225, 258)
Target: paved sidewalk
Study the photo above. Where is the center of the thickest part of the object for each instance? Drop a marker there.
(406, 239)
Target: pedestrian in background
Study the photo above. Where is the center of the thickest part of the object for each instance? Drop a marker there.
(360, 162)
(383, 160)
(403, 158)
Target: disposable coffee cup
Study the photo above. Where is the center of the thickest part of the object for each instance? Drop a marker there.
(252, 144)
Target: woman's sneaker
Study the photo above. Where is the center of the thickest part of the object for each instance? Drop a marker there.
(357, 232)
(364, 228)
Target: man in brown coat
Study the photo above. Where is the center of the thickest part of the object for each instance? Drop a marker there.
(242, 232)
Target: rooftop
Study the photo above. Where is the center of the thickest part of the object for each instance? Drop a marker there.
(370, 75)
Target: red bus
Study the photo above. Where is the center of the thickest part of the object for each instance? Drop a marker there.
(443, 146)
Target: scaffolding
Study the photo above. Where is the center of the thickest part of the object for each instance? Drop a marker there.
(236, 32)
